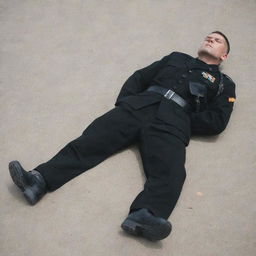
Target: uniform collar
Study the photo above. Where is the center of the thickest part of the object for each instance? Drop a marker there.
(195, 63)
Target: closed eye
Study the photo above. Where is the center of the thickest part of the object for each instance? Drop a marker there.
(218, 40)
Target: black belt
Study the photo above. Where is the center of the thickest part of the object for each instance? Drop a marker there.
(170, 95)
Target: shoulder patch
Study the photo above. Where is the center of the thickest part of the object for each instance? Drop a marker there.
(231, 99)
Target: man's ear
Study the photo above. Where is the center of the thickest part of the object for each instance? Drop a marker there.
(224, 57)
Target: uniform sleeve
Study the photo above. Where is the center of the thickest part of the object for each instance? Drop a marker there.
(215, 118)
(141, 78)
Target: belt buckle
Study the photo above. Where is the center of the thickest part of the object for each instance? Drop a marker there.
(169, 94)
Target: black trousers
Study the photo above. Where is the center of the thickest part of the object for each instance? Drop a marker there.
(163, 155)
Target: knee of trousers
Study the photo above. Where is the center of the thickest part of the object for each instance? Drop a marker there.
(178, 176)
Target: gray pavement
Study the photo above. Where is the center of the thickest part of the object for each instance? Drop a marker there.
(62, 65)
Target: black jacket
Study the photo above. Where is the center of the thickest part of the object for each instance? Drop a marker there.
(175, 71)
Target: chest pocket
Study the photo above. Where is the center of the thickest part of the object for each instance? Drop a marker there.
(204, 87)
(211, 86)
(170, 69)
(199, 92)
(198, 89)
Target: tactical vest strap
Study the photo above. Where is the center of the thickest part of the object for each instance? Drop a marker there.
(221, 85)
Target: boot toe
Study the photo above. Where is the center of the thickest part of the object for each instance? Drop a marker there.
(18, 174)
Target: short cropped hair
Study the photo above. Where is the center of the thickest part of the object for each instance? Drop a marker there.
(226, 39)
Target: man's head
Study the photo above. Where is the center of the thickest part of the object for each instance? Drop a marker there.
(215, 47)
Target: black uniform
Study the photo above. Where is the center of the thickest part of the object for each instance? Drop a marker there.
(161, 127)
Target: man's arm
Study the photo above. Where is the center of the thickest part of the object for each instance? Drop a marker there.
(215, 118)
(140, 79)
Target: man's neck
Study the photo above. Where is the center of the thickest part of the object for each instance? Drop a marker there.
(209, 60)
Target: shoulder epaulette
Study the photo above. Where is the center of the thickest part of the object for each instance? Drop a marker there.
(228, 77)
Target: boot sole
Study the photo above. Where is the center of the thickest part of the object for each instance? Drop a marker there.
(151, 232)
(18, 177)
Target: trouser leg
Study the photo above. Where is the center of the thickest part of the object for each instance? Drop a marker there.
(163, 157)
(106, 135)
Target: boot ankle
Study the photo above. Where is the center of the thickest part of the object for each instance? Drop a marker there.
(38, 179)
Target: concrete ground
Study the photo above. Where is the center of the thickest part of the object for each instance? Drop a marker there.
(62, 65)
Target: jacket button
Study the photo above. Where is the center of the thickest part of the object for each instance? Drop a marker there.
(180, 81)
(210, 69)
(184, 75)
(190, 71)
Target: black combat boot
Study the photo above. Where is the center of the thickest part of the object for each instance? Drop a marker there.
(31, 183)
(145, 224)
